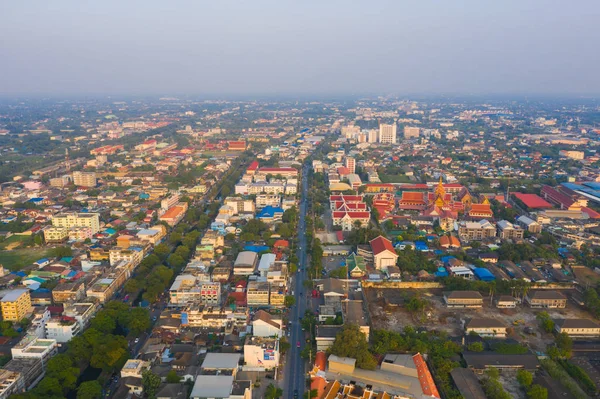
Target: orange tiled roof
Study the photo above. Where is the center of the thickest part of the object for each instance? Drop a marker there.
(425, 378)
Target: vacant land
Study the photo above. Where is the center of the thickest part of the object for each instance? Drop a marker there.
(16, 259)
(394, 179)
(14, 242)
(387, 311)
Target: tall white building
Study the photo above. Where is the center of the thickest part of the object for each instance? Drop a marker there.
(411, 132)
(387, 134)
(373, 136)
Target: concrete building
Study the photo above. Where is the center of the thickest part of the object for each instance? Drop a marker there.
(463, 299)
(84, 179)
(387, 134)
(546, 299)
(221, 387)
(11, 382)
(509, 231)
(257, 293)
(531, 225)
(16, 305)
(350, 164)
(266, 325)
(55, 234)
(261, 352)
(71, 291)
(486, 327)
(62, 329)
(73, 219)
(476, 231)
(578, 328)
(36, 348)
(245, 263)
(411, 132)
(384, 254)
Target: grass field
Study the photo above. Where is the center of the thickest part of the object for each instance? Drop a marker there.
(16, 259)
(14, 242)
(394, 179)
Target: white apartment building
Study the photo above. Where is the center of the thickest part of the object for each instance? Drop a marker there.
(62, 330)
(387, 134)
(73, 219)
(411, 132)
(84, 179)
(36, 348)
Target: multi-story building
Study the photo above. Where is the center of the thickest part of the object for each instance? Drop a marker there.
(16, 304)
(486, 327)
(84, 179)
(169, 201)
(11, 382)
(463, 299)
(213, 317)
(36, 348)
(71, 291)
(263, 200)
(531, 225)
(351, 164)
(81, 312)
(73, 219)
(61, 181)
(411, 132)
(546, 299)
(579, 328)
(132, 255)
(387, 134)
(509, 231)
(257, 293)
(107, 285)
(245, 263)
(32, 370)
(55, 234)
(62, 329)
(476, 231)
(261, 352)
(174, 214)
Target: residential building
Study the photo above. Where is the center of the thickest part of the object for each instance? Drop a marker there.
(107, 285)
(131, 255)
(11, 382)
(531, 225)
(16, 305)
(84, 179)
(486, 327)
(476, 231)
(174, 214)
(73, 219)
(506, 302)
(411, 132)
(546, 299)
(81, 312)
(261, 352)
(213, 317)
(257, 293)
(463, 299)
(578, 328)
(350, 164)
(55, 234)
(36, 348)
(62, 329)
(221, 363)
(70, 291)
(509, 231)
(31, 369)
(266, 325)
(387, 134)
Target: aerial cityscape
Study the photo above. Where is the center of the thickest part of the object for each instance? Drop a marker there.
(261, 200)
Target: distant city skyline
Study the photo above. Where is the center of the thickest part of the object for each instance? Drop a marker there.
(270, 48)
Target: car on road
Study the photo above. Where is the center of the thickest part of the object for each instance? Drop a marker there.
(295, 393)
(298, 344)
(137, 340)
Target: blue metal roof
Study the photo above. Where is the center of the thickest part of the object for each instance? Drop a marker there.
(484, 274)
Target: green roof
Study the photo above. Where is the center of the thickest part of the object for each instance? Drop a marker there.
(354, 261)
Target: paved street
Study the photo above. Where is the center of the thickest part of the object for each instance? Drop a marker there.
(294, 377)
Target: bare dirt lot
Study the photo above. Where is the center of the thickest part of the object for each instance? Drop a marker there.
(387, 311)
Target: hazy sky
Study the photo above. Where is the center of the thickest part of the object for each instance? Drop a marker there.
(171, 47)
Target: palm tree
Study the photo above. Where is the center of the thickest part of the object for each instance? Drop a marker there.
(273, 392)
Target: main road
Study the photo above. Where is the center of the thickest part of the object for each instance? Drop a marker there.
(294, 372)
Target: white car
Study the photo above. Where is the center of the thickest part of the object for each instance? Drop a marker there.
(137, 340)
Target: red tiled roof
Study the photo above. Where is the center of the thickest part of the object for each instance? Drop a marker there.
(281, 244)
(253, 165)
(412, 196)
(381, 244)
(321, 360)
(591, 213)
(535, 201)
(425, 378)
(342, 170)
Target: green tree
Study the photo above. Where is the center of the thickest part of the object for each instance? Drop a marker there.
(60, 252)
(110, 354)
(284, 345)
(564, 343)
(139, 320)
(176, 261)
(289, 301)
(104, 323)
(162, 251)
(131, 286)
(172, 377)
(89, 390)
(50, 386)
(525, 378)
(537, 392)
(476, 347)
(545, 321)
(273, 392)
(351, 342)
(150, 382)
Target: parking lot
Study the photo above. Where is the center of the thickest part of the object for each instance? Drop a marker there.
(333, 262)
